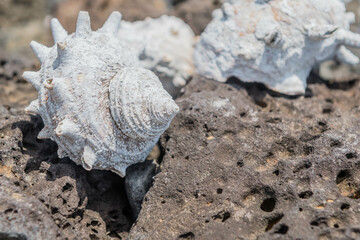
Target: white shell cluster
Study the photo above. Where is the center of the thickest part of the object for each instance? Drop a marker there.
(165, 46)
(102, 109)
(275, 42)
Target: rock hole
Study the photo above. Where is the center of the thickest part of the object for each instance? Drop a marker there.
(219, 191)
(329, 100)
(243, 114)
(308, 150)
(94, 237)
(300, 209)
(49, 175)
(319, 221)
(268, 205)
(188, 235)
(305, 195)
(273, 221)
(336, 225)
(66, 225)
(343, 174)
(54, 210)
(94, 223)
(240, 163)
(276, 172)
(335, 143)
(67, 187)
(9, 210)
(222, 216)
(3, 62)
(322, 123)
(327, 110)
(196, 194)
(261, 103)
(283, 229)
(345, 206)
(350, 155)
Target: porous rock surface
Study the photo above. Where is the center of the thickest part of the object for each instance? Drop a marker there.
(43, 196)
(243, 163)
(23, 216)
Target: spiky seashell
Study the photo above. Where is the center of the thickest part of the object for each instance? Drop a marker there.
(275, 42)
(97, 104)
(165, 46)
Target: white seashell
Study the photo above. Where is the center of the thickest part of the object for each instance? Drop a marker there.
(275, 42)
(165, 46)
(97, 104)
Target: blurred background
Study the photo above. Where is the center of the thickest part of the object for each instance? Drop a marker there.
(24, 20)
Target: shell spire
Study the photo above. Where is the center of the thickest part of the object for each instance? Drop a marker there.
(348, 38)
(40, 50)
(33, 107)
(141, 113)
(58, 32)
(163, 109)
(44, 133)
(33, 78)
(67, 128)
(88, 158)
(83, 26)
(346, 56)
(112, 24)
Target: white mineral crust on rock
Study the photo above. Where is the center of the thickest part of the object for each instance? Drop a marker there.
(165, 46)
(275, 42)
(102, 109)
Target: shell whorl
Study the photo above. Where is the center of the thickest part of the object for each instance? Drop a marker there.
(80, 81)
(140, 114)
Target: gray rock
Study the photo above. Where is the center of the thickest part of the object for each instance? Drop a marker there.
(23, 216)
(84, 205)
(243, 163)
(138, 180)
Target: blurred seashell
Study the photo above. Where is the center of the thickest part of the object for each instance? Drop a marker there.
(275, 42)
(165, 46)
(97, 104)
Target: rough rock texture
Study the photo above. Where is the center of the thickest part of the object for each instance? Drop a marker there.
(14, 90)
(83, 205)
(242, 164)
(22, 215)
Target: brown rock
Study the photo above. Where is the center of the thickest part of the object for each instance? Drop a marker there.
(244, 163)
(196, 13)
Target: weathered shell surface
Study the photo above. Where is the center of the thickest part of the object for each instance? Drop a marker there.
(275, 42)
(165, 46)
(97, 104)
